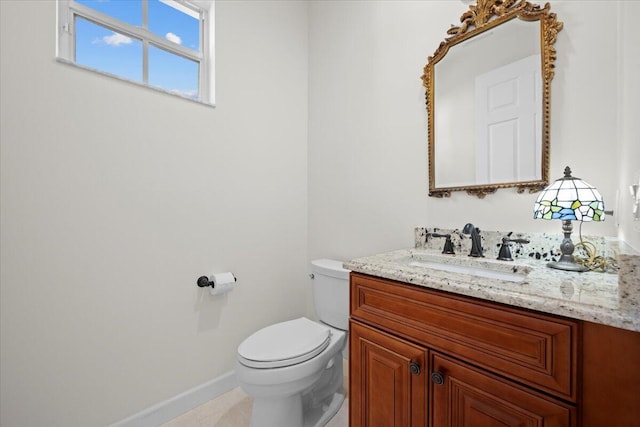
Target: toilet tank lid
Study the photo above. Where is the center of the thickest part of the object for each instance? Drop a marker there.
(330, 267)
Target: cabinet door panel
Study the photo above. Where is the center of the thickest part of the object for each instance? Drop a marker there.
(383, 390)
(472, 398)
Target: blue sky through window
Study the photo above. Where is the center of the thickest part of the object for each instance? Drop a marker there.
(100, 48)
(103, 49)
(173, 72)
(174, 25)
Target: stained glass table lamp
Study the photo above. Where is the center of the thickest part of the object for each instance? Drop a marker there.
(569, 199)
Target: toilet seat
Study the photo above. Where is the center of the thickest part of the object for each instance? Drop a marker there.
(284, 344)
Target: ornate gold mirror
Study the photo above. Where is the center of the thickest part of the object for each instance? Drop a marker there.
(488, 94)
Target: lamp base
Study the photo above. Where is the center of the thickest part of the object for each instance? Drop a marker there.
(566, 261)
(567, 266)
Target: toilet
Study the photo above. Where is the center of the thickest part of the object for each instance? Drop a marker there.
(293, 369)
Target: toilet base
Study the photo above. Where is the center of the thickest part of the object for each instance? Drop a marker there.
(313, 407)
(289, 412)
(322, 416)
(277, 412)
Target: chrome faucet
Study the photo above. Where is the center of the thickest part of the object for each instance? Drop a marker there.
(476, 243)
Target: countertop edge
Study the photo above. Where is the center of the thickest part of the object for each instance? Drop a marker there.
(617, 317)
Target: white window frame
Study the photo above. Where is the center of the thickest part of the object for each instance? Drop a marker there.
(68, 10)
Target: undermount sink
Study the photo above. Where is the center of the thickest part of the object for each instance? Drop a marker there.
(473, 267)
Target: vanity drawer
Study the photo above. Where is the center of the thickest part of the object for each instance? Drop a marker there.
(529, 347)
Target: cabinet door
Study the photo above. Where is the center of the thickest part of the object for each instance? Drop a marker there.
(387, 381)
(464, 396)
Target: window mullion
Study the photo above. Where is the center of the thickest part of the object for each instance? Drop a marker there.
(145, 42)
(203, 70)
(145, 14)
(175, 48)
(145, 61)
(72, 36)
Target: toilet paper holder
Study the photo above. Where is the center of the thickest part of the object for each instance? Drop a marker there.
(203, 281)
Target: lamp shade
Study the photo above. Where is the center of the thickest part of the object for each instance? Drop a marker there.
(569, 199)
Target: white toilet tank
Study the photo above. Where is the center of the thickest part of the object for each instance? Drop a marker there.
(331, 292)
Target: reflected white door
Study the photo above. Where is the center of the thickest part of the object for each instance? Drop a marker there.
(508, 125)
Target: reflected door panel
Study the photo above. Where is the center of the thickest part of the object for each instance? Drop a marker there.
(507, 126)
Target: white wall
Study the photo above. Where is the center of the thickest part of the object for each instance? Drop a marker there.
(367, 128)
(115, 198)
(368, 137)
(629, 92)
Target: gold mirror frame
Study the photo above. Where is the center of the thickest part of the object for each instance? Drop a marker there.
(481, 17)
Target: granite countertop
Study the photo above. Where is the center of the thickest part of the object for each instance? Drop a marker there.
(611, 298)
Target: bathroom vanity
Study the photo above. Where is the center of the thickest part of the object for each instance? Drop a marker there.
(447, 335)
(453, 346)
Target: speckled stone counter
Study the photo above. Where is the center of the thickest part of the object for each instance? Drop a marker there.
(611, 298)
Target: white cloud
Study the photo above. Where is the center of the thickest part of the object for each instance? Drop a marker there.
(173, 38)
(116, 39)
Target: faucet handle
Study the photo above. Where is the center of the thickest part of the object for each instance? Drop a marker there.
(448, 244)
(505, 250)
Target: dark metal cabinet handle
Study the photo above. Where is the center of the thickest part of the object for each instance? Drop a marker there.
(414, 367)
(437, 378)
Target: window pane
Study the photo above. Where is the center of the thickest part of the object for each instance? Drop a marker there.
(175, 22)
(173, 72)
(105, 50)
(129, 11)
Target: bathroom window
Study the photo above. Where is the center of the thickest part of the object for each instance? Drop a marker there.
(163, 44)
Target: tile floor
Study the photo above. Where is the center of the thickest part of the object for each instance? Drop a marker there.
(233, 409)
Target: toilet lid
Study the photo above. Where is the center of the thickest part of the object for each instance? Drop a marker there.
(284, 344)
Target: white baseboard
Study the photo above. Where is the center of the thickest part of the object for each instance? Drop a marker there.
(184, 402)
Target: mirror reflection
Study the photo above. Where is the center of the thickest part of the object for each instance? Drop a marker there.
(487, 99)
(500, 95)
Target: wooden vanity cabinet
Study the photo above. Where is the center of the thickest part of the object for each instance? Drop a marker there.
(421, 357)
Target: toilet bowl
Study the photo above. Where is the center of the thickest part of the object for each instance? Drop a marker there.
(293, 369)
